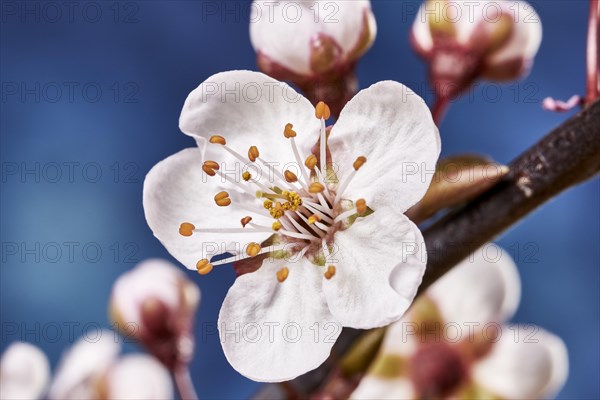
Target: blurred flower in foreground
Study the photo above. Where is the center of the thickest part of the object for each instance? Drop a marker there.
(24, 372)
(466, 40)
(449, 344)
(91, 369)
(320, 214)
(155, 303)
(314, 44)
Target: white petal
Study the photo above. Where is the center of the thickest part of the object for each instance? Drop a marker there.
(175, 191)
(139, 376)
(250, 109)
(390, 125)
(485, 287)
(526, 37)
(371, 387)
(273, 331)
(530, 366)
(24, 372)
(380, 264)
(82, 365)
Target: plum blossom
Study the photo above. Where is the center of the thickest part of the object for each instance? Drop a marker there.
(24, 372)
(315, 215)
(315, 44)
(464, 40)
(451, 343)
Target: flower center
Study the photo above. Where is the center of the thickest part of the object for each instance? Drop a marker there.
(306, 209)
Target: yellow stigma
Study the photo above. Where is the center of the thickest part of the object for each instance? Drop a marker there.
(313, 218)
(253, 153)
(268, 204)
(209, 167)
(288, 132)
(360, 161)
(253, 249)
(245, 221)
(277, 211)
(276, 225)
(282, 274)
(217, 139)
(316, 187)
(294, 199)
(222, 199)
(186, 229)
(246, 176)
(290, 177)
(330, 272)
(361, 206)
(322, 111)
(311, 162)
(203, 266)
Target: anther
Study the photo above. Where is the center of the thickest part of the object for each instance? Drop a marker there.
(290, 177)
(217, 139)
(288, 132)
(276, 225)
(246, 176)
(245, 221)
(311, 162)
(322, 111)
(222, 199)
(360, 161)
(330, 272)
(313, 218)
(253, 153)
(316, 187)
(282, 274)
(203, 266)
(268, 204)
(361, 206)
(186, 229)
(209, 167)
(253, 249)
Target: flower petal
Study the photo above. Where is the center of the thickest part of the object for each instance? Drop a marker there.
(392, 127)
(176, 191)
(533, 367)
(483, 288)
(272, 331)
(139, 376)
(250, 109)
(24, 372)
(377, 388)
(380, 264)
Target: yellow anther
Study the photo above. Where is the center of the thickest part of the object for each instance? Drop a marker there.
(186, 229)
(288, 132)
(268, 204)
(253, 249)
(245, 221)
(322, 111)
(246, 176)
(203, 266)
(313, 218)
(222, 199)
(217, 139)
(361, 206)
(316, 187)
(290, 177)
(311, 162)
(360, 161)
(277, 211)
(276, 225)
(330, 272)
(209, 167)
(253, 153)
(282, 274)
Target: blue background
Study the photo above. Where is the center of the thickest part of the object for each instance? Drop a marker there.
(145, 57)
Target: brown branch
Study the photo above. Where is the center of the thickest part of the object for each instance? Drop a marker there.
(567, 156)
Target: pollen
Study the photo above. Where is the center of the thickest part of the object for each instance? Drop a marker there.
(246, 176)
(268, 204)
(288, 132)
(316, 187)
(277, 211)
(217, 139)
(313, 218)
(222, 199)
(322, 111)
(361, 206)
(330, 272)
(245, 221)
(311, 162)
(253, 249)
(360, 161)
(186, 229)
(253, 153)
(282, 274)
(276, 226)
(203, 266)
(290, 177)
(209, 167)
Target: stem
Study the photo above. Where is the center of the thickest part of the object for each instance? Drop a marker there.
(184, 384)
(592, 53)
(439, 108)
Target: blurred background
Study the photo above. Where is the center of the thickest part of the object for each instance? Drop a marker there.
(91, 95)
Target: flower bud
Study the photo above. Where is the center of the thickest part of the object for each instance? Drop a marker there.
(155, 303)
(24, 372)
(137, 376)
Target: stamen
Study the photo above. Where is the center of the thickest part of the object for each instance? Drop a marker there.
(319, 207)
(290, 177)
(222, 199)
(282, 274)
(253, 249)
(204, 266)
(263, 250)
(276, 226)
(253, 153)
(268, 204)
(316, 187)
(311, 162)
(314, 210)
(210, 167)
(360, 161)
(186, 229)
(288, 132)
(323, 146)
(245, 221)
(299, 227)
(330, 272)
(315, 229)
(314, 218)
(246, 176)
(322, 111)
(361, 206)
(217, 139)
(299, 161)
